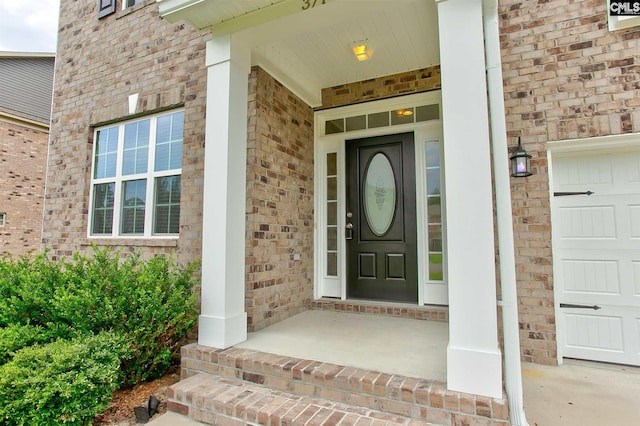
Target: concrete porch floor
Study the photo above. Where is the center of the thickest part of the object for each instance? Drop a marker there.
(409, 347)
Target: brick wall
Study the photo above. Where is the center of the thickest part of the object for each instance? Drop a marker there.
(99, 64)
(23, 158)
(565, 76)
(279, 203)
(416, 81)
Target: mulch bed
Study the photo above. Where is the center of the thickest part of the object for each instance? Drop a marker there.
(121, 410)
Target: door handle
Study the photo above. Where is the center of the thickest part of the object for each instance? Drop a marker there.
(348, 232)
(566, 194)
(570, 305)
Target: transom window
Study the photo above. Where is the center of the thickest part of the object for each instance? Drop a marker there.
(136, 175)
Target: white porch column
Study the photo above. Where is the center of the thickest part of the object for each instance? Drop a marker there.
(223, 321)
(474, 362)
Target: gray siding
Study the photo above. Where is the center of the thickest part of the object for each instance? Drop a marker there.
(26, 87)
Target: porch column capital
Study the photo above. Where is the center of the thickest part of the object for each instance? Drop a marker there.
(226, 49)
(223, 321)
(474, 363)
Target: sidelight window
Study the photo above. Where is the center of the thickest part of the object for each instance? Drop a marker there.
(332, 214)
(434, 211)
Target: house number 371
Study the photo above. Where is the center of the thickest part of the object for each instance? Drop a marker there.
(309, 4)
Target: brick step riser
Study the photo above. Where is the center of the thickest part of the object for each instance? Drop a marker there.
(219, 401)
(404, 396)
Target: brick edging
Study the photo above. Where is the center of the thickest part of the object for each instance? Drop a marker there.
(431, 313)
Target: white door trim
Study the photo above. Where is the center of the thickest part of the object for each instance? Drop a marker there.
(335, 286)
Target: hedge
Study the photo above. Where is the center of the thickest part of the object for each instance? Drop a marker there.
(63, 382)
(151, 303)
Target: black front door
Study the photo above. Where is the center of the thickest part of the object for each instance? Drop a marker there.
(381, 219)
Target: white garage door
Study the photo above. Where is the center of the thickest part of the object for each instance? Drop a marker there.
(596, 248)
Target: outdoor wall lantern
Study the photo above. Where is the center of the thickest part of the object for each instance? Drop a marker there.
(520, 164)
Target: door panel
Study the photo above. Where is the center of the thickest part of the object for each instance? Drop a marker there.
(381, 219)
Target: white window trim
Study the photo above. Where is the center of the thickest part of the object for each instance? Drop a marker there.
(118, 179)
(329, 286)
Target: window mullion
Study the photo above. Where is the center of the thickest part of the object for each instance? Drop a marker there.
(117, 202)
(151, 181)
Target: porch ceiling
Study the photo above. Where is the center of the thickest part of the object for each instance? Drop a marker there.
(308, 50)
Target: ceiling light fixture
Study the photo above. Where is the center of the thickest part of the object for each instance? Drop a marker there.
(404, 112)
(362, 51)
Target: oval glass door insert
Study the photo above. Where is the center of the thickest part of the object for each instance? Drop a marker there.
(379, 194)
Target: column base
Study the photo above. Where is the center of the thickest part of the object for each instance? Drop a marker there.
(474, 371)
(222, 333)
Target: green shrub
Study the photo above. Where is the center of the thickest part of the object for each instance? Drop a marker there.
(64, 382)
(15, 337)
(150, 302)
(27, 286)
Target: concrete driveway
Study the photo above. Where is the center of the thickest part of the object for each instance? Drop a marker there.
(581, 393)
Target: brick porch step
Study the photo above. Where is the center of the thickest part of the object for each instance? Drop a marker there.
(402, 398)
(219, 401)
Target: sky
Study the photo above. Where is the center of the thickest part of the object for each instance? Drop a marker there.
(28, 25)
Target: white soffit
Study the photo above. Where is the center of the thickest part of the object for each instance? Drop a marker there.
(205, 13)
(308, 50)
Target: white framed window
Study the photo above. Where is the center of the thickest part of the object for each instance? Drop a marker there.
(2, 218)
(136, 177)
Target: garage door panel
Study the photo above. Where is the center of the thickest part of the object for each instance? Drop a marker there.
(572, 171)
(631, 167)
(610, 335)
(634, 219)
(587, 222)
(635, 267)
(591, 331)
(591, 276)
(601, 174)
(599, 276)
